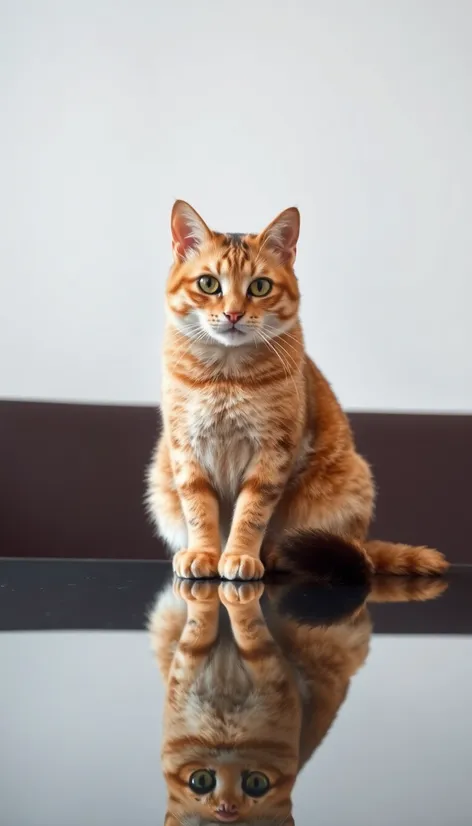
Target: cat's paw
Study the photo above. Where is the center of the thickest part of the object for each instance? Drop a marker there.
(196, 564)
(191, 591)
(240, 593)
(240, 566)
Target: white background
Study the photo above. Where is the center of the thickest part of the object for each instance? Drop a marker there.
(358, 111)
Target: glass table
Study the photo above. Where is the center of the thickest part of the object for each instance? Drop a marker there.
(325, 705)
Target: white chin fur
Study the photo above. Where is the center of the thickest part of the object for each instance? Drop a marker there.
(193, 324)
(232, 339)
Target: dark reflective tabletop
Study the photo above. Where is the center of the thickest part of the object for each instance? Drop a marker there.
(126, 696)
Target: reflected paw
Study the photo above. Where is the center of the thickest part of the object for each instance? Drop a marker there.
(240, 566)
(191, 591)
(196, 564)
(240, 593)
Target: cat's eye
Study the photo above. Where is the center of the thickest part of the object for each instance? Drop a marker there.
(209, 284)
(260, 287)
(203, 781)
(255, 784)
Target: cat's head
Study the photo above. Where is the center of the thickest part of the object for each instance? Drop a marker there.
(230, 289)
(244, 785)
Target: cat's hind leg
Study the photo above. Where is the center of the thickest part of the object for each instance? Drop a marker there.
(163, 502)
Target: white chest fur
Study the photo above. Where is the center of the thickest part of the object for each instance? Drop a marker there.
(224, 432)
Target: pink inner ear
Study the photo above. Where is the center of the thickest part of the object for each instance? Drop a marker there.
(188, 229)
(288, 238)
(183, 245)
(183, 236)
(284, 244)
(282, 234)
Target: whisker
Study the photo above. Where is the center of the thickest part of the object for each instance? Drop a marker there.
(277, 337)
(283, 334)
(276, 342)
(192, 338)
(289, 355)
(269, 344)
(286, 365)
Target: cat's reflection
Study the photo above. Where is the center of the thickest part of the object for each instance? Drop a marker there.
(251, 693)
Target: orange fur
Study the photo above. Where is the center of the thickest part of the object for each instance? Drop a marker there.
(255, 449)
(260, 695)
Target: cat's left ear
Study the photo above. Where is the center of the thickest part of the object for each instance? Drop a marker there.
(281, 235)
(189, 230)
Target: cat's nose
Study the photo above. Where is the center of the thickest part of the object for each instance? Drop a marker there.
(233, 317)
(228, 808)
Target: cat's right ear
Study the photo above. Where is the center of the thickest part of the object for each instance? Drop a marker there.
(170, 820)
(189, 231)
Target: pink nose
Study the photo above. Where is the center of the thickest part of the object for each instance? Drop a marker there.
(228, 808)
(233, 317)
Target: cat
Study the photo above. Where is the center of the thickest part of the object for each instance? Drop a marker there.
(256, 467)
(249, 701)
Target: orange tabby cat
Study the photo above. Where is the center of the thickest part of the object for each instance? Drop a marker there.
(246, 706)
(256, 462)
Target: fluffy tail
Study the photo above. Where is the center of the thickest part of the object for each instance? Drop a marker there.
(327, 558)
(336, 560)
(395, 558)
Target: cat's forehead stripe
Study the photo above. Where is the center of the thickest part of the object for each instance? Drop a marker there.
(237, 239)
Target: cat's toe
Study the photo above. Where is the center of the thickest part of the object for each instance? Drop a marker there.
(240, 566)
(195, 591)
(196, 564)
(240, 593)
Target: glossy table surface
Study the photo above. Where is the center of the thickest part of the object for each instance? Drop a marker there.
(82, 697)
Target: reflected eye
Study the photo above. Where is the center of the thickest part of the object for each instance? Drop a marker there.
(209, 284)
(202, 781)
(260, 287)
(255, 784)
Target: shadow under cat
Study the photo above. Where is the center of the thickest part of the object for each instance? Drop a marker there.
(253, 685)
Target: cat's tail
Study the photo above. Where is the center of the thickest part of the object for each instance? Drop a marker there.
(396, 558)
(336, 560)
(323, 556)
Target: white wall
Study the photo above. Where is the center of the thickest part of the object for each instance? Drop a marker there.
(359, 112)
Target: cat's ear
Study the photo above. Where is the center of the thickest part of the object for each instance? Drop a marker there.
(189, 231)
(171, 820)
(281, 235)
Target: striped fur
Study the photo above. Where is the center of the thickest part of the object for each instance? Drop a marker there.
(256, 451)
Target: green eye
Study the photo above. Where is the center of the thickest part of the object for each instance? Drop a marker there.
(202, 781)
(255, 784)
(209, 284)
(260, 287)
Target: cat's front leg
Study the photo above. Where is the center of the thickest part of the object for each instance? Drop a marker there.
(257, 648)
(200, 631)
(201, 511)
(260, 491)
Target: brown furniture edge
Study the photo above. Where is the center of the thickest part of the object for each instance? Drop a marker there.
(72, 479)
